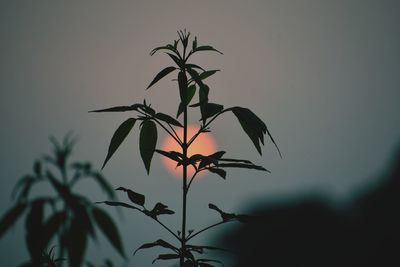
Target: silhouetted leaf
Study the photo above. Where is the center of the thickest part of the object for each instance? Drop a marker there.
(61, 189)
(225, 216)
(161, 75)
(191, 90)
(116, 204)
(203, 263)
(220, 172)
(119, 108)
(37, 168)
(200, 249)
(109, 229)
(51, 226)
(195, 76)
(11, 216)
(147, 142)
(168, 119)
(173, 155)
(166, 47)
(136, 198)
(182, 80)
(119, 136)
(204, 75)
(236, 160)
(194, 66)
(166, 257)
(33, 225)
(158, 243)
(210, 109)
(177, 61)
(160, 209)
(206, 48)
(242, 165)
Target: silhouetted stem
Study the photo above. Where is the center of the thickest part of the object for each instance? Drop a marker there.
(169, 230)
(184, 188)
(205, 229)
(191, 179)
(176, 138)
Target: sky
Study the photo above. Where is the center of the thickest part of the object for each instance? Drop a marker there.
(323, 75)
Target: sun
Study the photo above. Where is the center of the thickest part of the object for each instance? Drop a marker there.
(204, 144)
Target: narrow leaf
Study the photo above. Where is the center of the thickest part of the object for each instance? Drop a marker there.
(220, 172)
(109, 229)
(119, 136)
(136, 198)
(168, 119)
(242, 165)
(119, 108)
(204, 75)
(166, 257)
(147, 142)
(11, 216)
(207, 48)
(118, 204)
(161, 75)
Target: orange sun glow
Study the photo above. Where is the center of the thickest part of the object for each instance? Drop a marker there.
(204, 144)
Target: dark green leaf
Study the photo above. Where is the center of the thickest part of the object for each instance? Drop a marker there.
(194, 66)
(166, 257)
(147, 142)
(159, 243)
(166, 47)
(168, 119)
(76, 243)
(11, 216)
(207, 48)
(210, 109)
(182, 80)
(118, 137)
(220, 172)
(177, 61)
(51, 226)
(175, 156)
(33, 225)
(242, 165)
(109, 229)
(26, 183)
(195, 76)
(204, 75)
(119, 108)
(161, 75)
(136, 198)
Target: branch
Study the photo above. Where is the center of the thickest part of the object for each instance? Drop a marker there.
(206, 228)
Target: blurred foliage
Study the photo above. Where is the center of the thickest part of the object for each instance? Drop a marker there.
(61, 216)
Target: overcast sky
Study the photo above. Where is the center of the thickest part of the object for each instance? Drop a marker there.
(323, 75)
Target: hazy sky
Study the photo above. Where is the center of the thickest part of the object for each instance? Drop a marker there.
(323, 75)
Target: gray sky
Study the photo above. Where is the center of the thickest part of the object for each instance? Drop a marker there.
(323, 75)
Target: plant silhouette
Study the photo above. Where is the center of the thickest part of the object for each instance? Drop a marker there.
(190, 79)
(67, 215)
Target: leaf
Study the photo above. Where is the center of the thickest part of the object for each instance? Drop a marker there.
(105, 186)
(242, 165)
(173, 155)
(51, 226)
(109, 229)
(166, 257)
(159, 209)
(147, 142)
(210, 109)
(220, 172)
(195, 76)
(26, 183)
(182, 81)
(119, 136)
(119, 108)
(236, 160)
(166, 47)
(160, 243)
(76, 243)
(161, 75)
(207, 48)
(168, 119)
(136, 198)
(33, 226)
(177, 61)
(191, 90)
(204, 75)
(194, 66)
(11, 216)
(116, 204)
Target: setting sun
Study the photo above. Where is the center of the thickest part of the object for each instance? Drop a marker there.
(204, 144)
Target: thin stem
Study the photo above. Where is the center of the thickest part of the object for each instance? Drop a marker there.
(169, 230)
(205, 126)
(191, 179)
(205, 229)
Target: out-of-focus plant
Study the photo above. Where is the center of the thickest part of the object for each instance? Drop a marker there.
(190, 79)
(63, 215)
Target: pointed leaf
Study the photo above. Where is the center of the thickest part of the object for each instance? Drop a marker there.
(109, 229)
(119, 108)
(161, 75)
(147, 142)
(119, 136)
(76, 243)
(159, 242)
(173, 155)
(204, 75)
(168, 119)
(105, 186)
(242, 165)
(11, 216)
(166, 47)
(207, 48)
(182, 80)
(136, 198)
(210, 109)
(220, 172)
(166, 257)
